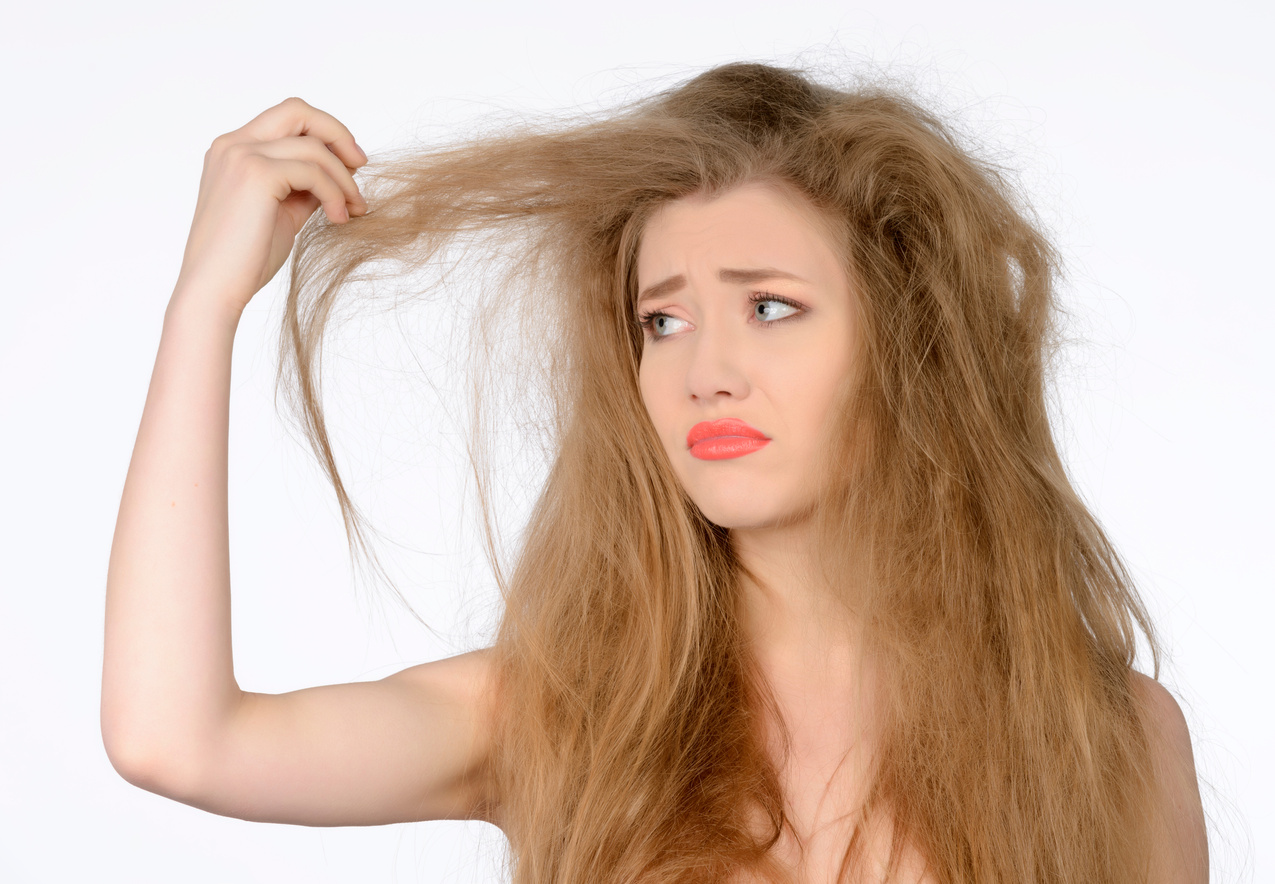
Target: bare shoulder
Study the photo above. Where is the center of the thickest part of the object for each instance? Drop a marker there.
(462, 688)
(1160, 712)
(465, 676)
(1183, 852)
(463, 685)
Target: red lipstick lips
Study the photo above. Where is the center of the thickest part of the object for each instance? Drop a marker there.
(725, 438)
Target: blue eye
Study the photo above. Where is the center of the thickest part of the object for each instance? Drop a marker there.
(660, 325)
(770, 309)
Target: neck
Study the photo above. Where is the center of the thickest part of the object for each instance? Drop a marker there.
(789, 609)
(807, 644)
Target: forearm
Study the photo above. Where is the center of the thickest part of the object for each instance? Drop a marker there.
(168, 678)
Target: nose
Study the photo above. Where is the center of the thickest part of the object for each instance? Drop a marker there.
(717, 363)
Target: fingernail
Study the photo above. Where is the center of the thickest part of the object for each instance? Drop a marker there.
(361, 150)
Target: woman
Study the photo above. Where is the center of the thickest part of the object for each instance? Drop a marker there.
(807, 594)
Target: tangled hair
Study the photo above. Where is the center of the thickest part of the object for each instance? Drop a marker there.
(1002, 620)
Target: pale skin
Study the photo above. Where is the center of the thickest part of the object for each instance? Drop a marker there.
(771, 351)
(174, 719)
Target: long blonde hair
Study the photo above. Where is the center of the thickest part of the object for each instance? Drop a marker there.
(1002, 619)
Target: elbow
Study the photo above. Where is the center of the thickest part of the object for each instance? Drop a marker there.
(133, 761)
(147, 762)
(174, 753)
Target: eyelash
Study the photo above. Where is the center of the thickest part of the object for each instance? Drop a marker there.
(647, 320)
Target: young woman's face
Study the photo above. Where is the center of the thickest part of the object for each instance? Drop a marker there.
(748, 336)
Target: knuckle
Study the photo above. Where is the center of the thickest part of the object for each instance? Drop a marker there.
(220, 145)
(237, 152)
(251, 166)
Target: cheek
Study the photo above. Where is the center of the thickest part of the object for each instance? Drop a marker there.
(812, 383)
(649, 387)
(644, 385)
(657, 386)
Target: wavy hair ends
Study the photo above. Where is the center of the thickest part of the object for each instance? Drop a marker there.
(1004, 622)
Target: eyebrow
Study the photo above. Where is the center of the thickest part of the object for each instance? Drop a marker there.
(727, 274)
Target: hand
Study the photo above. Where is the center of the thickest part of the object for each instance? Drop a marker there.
(260, 183)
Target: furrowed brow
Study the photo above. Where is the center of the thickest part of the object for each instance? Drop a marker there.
(727, 274)
(660, 289)
(746, 277)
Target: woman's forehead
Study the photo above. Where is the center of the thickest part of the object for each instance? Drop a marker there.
(752, 225)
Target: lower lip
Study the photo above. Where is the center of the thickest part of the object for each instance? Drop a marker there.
(724, 447)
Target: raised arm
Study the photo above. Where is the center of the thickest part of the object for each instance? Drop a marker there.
(174, 720)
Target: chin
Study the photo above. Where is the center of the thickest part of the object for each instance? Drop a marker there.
(744, 512)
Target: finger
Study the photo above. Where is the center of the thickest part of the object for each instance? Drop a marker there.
(310, 148)
(300, 176)
(293, 117)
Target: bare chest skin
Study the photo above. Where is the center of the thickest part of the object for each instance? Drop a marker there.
(825, 769)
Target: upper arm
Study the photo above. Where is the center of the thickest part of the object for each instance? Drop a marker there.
(1181, 850)
(412, 746)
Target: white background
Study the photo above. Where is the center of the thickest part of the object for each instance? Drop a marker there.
(1142, 130)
